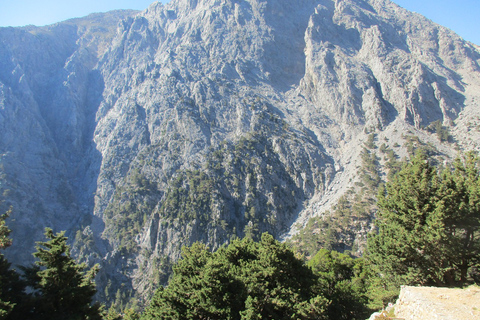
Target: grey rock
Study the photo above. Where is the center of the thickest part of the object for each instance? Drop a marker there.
(200, 120)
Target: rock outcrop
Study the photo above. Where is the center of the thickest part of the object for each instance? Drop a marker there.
(47, 108)
(438, 303)
(202, 120)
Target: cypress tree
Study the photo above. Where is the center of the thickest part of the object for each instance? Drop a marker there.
(428, 225)
(245, 280)
(11, 286)
(5, 304)
(63, 290)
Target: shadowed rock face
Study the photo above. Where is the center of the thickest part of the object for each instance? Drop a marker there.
(48, 92)
(203, 120)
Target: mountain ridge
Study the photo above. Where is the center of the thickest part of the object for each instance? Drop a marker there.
(203, 120)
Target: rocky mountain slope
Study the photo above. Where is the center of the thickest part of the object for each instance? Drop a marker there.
(47, 107)
(201, 120)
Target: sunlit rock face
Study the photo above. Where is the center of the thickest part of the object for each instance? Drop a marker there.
(203, 120)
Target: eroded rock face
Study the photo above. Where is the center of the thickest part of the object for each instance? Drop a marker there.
(206, 119)
(48, 99)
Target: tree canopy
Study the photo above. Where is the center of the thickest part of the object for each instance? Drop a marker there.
(5, 241)
(428, 224)
(245, 280)
(10, 283)
(343, 282)
(62, 290)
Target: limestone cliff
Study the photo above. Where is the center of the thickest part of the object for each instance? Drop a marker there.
(206, 119)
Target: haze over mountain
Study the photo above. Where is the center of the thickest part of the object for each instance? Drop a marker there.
(201, 120)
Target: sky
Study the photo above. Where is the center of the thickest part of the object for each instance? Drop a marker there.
(462, 16)
(43, 12)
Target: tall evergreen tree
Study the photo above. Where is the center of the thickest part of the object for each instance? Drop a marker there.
(112, 314)
(459, 208)
(245, 280)
(428, 225)
(6, 305)
(11, 287)
(62, 289)
(5, 241)
(343, 282)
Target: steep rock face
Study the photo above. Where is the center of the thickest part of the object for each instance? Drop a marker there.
(200, 98)
(46, 111)
(187, 85)
(202, 120)
(377, 62)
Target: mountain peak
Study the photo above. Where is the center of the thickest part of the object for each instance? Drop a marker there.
(204, 120)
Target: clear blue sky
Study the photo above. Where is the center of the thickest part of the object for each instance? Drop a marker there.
(42, 12)
(462, 16)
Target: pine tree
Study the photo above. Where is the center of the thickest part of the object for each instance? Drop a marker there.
(113, 314)
(11, 287)
(428, 225)
(5, 241)
(343, 282)
(6, 305)
(130, 314)
(62, 289)
(459, 206)
(245, 280)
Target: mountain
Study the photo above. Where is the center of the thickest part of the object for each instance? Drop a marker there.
(47, 112)
(203, 120)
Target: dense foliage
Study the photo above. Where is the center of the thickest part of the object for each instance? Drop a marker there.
(245, 280)
(4, 232)
(11, 290)
(343, 281)
(428, 225)
(10, 284)
(261, 280)
(57, 286)
(428, 233)
(61, 289)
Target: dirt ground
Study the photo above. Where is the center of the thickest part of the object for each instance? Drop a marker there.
(418, 303)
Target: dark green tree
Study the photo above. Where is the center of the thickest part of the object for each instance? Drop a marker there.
(370, 172)
(6, 305)
(5, 241)
(442, 132)
(245, 280)
(428, 226)
(62, 290)
(11, 286)
(459, 209)
(343, 281)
